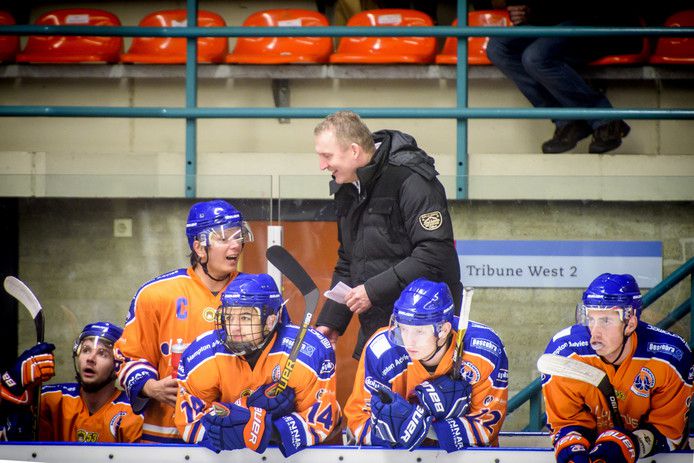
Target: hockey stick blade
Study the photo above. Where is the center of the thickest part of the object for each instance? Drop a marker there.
(557, 365)
(463, 321)
(20, 291)
(288, 265)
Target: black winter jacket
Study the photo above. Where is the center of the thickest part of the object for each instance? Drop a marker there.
(393, 231)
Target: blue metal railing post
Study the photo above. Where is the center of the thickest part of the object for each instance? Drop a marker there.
(461, 92)
(191, 102)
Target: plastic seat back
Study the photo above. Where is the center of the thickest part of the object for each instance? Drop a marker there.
(73, 49)
(639, 57)
(476, 46)
(280, 50)
(9, 44)
(172, 50)
(675, 50)
(387, 49)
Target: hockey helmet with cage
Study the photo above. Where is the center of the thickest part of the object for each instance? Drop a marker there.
(422, 302)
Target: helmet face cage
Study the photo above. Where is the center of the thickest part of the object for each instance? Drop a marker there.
(250, 324)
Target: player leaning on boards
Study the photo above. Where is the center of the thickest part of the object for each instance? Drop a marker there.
(393, 222)
(651, 371)
(91, 410)
(226, 377)
(404, 383)
(178, 305)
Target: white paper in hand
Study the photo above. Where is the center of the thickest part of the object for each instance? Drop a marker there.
(338, 292)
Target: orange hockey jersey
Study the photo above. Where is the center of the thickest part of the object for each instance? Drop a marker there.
(653, 385)
(209, 373)
(172, 306)
(484, 366)
(65, 417)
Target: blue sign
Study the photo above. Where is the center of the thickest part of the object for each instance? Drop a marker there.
(556, 264)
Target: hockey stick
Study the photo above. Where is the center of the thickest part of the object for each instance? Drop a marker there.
(557, 365)
(463, 321)
(17, 289)
(287, 264)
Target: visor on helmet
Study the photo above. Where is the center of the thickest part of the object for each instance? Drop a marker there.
(224, 235)
(584, 318)
(397, 328)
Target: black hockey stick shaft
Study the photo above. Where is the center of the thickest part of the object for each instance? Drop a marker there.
(608, 391)
(290, 267)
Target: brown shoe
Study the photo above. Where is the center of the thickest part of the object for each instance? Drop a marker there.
(566, 137)
(608, 136)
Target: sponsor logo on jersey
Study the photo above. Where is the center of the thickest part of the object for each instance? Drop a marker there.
(197, 353)
(134, 378)
(208, 314)
(487, 400)
(643, 383)
(691, 374)
(319, 395)
(398, 361)
(304, 349)
(327, 368)
(276, 373)
(502, 375)
(114, 424)
(86, 436)
(486, 344)
(664, 348)
(431, 221)
(324, 341)
(471, 373)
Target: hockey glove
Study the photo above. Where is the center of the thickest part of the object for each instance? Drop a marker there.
(397, 422)
(34, 366)
(444, 397)
(451, 434)
(278, 406)
(572, 448)
(615, 446)
(231, 427)
(292, 431)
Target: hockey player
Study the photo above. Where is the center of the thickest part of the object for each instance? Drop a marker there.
(226, 376)
(92, 409)
(178, 305)
(404, 388)
(650, 369)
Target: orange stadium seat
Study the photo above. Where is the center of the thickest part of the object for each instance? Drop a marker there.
(639, 57)
(675, 50)
(9, 44)
(383, 50)
(170, 50)
(476, 46)
(73, 49)
(281, 50)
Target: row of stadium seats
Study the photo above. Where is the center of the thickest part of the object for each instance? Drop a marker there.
(280, 50)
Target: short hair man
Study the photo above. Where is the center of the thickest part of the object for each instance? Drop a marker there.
(393, 222)
(178, 305)
(92, 409)
(227, 377)
(651, 371)
(404, 385)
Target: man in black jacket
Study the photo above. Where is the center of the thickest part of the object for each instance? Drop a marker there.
(393, 222)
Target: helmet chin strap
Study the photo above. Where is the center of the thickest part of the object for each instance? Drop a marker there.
(625, 338)
(436, 350)
(204, 267)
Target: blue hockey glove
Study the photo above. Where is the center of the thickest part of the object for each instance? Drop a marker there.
(34, 366)
(572, 448)
(278, 406)
(396, 421)
(615, 446)
(231, 427)
(444, 397)
(292, 433)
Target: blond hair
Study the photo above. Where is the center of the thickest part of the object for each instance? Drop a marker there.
(348, 128)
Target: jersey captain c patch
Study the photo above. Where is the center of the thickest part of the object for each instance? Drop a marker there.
(431, 221)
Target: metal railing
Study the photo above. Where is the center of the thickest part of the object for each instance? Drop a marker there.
(533, 391)
(461, 113)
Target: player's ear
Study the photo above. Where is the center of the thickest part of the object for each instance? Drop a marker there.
(198, 249)
(631, 325)
(445, 330)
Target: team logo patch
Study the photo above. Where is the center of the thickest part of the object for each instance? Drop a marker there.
(276, 374)
(327, 368)
(431, 221)
(643, 383)
(115, 423)
(471, 373)
(209, 314)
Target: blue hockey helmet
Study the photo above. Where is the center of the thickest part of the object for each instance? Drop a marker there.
(257, 291)
(611, 292)
(422, 302)
(105, 332)
(215, 216)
